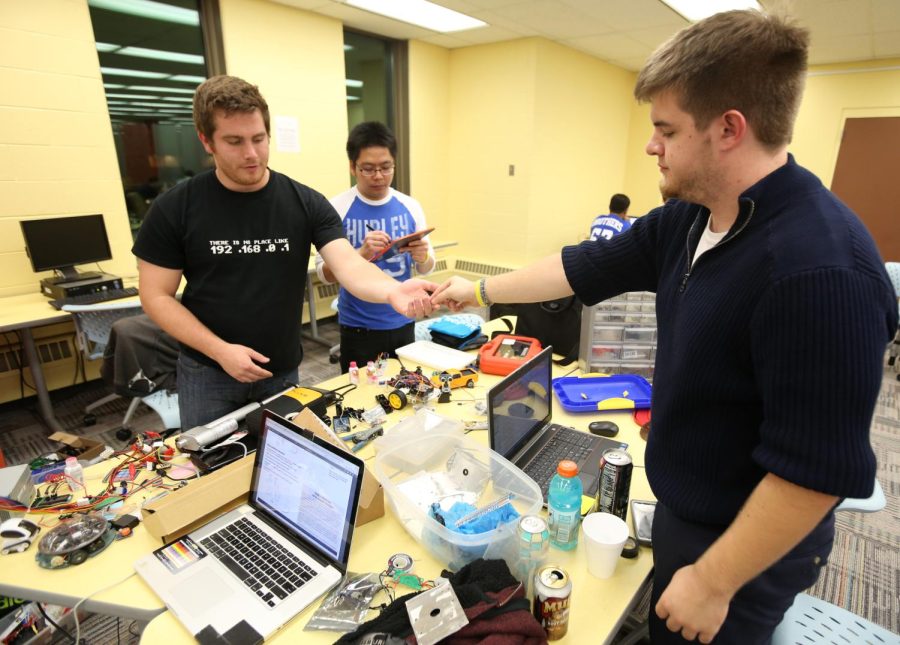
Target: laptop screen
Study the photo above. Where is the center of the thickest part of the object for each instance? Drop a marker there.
(520, 405)
(309, 487)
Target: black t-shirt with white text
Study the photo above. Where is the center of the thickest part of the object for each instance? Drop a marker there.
(244, 257)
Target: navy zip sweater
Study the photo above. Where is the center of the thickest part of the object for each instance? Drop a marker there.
(770, 348)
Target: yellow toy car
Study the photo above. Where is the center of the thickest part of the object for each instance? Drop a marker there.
(466, 377)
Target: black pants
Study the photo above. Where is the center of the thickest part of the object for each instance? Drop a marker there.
(758, 607)
(364, 345)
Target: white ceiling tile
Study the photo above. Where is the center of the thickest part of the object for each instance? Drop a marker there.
(484, 35)
(609, 46)
(842, 30)
(886, 44)
(553, 19)
(633, 14)
(496, 20)
(845, 48)
(838, 18)
(444, 40)
(634, 64)
(653, 37)
(885, 15)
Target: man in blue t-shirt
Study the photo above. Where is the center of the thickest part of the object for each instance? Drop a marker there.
(607, 226)
(373, 214)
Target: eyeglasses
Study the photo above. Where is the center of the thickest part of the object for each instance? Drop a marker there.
(370, 171)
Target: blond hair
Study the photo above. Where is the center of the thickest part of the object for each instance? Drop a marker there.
(736, 60)
(230, 95)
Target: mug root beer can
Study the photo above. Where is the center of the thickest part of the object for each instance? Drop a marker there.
(552, 595)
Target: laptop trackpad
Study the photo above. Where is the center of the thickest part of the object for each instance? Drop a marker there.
(201, 592)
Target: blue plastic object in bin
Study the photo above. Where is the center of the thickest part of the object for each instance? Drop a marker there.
(591, 393)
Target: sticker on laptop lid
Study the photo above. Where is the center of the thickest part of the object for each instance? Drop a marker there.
(180, 555)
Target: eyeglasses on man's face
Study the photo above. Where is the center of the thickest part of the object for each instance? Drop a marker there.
(370, 171)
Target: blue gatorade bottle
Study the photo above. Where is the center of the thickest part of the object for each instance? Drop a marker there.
(564, 505)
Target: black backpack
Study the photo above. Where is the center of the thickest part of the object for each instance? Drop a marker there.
(553, 322)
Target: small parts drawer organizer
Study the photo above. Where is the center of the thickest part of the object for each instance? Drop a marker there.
(618, 336)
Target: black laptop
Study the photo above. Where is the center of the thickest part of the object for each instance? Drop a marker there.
(519, 411)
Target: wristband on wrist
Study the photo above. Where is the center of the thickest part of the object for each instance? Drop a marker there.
(481, 294)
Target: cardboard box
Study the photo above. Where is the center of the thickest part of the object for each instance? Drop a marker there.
(87, 449)
(179, 512)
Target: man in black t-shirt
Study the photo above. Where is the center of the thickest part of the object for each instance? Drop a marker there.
(240, 236)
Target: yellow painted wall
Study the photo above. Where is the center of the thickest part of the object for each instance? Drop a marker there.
(490, 128)
(560, 118)
(56, 145)
(581, 119)
(429, 135)
(297, 60)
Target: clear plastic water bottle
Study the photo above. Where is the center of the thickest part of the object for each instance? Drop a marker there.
(564, 505)
(354, 372)
(74, 472)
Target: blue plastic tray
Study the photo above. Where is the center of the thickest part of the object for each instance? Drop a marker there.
(593, 393)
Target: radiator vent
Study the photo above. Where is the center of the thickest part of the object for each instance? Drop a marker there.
(479, 268)
(48, 352)
(327, 291)
(439, 265)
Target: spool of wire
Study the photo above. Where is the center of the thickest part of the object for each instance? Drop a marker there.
(400, 563)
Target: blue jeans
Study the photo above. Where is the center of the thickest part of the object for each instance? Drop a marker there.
(206, 393)
(758, 607)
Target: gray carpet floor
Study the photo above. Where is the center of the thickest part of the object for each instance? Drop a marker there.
(863, 572)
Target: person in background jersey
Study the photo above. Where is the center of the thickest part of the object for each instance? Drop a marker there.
(608, 226)
(374, 214)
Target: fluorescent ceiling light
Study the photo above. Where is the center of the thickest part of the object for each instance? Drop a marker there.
(353, 98)
(177, 98)
(149, 9)
(114, 86)
(107, 47)
(117, 71)
(348, 48)
(154, 88)
(159, 54)
(186, 78)
(420, 12)
(353, 83)
(695, 10)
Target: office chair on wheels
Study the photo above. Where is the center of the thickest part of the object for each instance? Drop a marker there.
(97, 327)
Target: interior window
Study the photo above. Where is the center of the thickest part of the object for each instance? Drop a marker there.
(151, 59)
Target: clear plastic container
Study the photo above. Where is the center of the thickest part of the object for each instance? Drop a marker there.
(354, 372)
(444, 466)
(74, 472)
(564, 506)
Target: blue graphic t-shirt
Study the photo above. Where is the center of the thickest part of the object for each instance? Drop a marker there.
(607, 226)
(397, 215)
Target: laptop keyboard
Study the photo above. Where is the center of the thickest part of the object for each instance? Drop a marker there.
(258, 561)
(566, 443)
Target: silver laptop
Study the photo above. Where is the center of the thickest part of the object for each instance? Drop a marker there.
(247, 573)
(520, 408)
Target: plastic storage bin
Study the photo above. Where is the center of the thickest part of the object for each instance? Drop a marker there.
(444, 467)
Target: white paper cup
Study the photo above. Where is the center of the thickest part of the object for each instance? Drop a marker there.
(604, 536)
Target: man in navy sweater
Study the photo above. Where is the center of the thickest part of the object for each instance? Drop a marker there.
(773, 308)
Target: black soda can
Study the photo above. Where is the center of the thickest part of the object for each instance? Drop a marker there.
(615, 483)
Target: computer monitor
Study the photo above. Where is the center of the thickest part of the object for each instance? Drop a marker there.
(61, 243)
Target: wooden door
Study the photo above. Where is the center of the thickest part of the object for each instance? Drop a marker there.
(867, 178)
